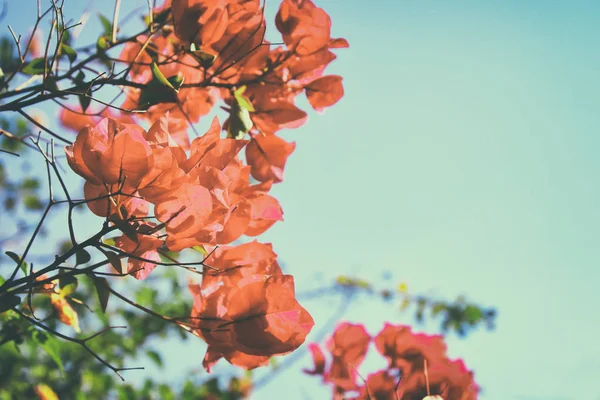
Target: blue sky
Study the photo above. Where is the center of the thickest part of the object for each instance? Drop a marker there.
(462, 159)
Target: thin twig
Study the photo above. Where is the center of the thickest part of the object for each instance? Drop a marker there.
(113, 37)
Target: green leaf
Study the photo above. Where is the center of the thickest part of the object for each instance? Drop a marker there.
(157, 93)
(84, 101)
(35, 67)
(200, 249)
(102, 289)
(165, 392)
(1, 78)
(242, 100)
(68, 285)
(15, 257)
(32, 202)
(82, 257)
(473, 314)
(50, 345)
(154, 356)
(102, 45)
(146, 296)
(114, 261)
(437, 308)
(205, 59)
(158, 75)
(30, 184)
(239, 122)
(68, 51)
(9, 301)
(106, 25)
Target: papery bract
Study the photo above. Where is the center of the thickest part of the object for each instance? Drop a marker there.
(143, 254)
(260, 315)
(407, 350)
(449, 379)
(348, 346)
(110, 153)
(324, 92)
(267, 156)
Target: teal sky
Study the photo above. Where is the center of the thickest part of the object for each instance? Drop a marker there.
(463, 158)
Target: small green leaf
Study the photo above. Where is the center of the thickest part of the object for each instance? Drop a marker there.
(157, 93)
(205, 59)
(84, 101)
(200, 249)
(154, 356)
(114, 261)
(32, 202)
(68, 51)
(17, 260)
(34, 67)
(437, 308)
(30, 184)
(158, 75)
(13, 256)
(102, 45)
(103, 290)
(239, 123)
(473, 314)
(242, 100)
(1, 78)
(82, 257)
(50, 346)
(67, 284)
(106, 24)
(109, 242)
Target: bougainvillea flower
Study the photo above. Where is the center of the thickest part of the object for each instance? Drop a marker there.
(267, 156)
(185, 211)
(318, 360)
(305, 27)
(324, 92)
(348, 346)
(143, 254)
(202, 22)
(449, 379)
(407, 350)
(107, 200)
(265, 212)
(260, 318)
(237, 262)
(380, 385)
(111, 152)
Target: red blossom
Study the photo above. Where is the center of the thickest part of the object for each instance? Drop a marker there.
(348, 346)
(407, 350)
(267, 156)
(250, 321)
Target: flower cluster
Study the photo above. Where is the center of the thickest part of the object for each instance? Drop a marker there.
(407, 355)
(201, 199)
(167, 192)
(262, 317)
(211, 49)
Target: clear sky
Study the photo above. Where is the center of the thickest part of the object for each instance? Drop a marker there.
(463, 158)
